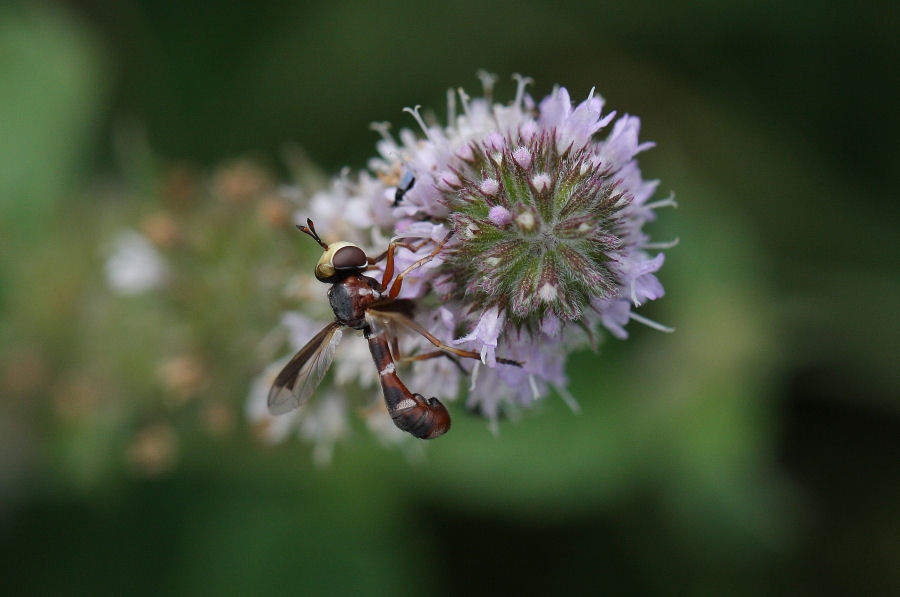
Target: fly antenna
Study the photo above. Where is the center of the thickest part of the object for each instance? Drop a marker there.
(311, 230)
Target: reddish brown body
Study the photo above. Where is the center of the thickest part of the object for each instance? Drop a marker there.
(350, 298)
(425, 419)
(365, 304)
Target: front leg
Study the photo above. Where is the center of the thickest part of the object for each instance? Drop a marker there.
(398, 283)
(389, 255)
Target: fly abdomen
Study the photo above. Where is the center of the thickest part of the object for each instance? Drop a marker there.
(425, 419)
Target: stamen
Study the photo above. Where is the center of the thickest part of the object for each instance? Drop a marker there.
(475, 371)
(667, 202)
(451, 107)
(487, 82)
(464, 99)
(535, 394)
(569, 399)
(494, 426)
(591, 94)
(419, 120)
(668, 245)
(382, 128)
(521, 83)
(650, 323)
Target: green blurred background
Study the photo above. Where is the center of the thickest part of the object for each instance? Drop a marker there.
(755, 451)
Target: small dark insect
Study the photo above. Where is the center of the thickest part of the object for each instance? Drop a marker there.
(365, 304)
(406, 183)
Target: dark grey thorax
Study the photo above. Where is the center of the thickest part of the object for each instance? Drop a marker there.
(351, 296)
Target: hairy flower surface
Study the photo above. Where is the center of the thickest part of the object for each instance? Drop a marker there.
(546, 215)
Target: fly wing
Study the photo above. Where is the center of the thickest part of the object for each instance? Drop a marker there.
(303, 373)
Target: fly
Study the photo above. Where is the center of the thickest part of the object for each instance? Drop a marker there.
(363, 303)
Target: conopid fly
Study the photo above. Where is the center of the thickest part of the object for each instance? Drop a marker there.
(363, 303)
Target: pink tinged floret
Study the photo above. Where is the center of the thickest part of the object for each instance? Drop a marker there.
(644, 285)
(500, 216)
(465, 153)
(640, 189)
(551, 325)
(638, 278)
(555, 108)
(449, 180)
(528, 131)
(485, 335)
(435, 232)
(447, 317)
(541, 181)
(495, 142)
(489, 186)
(523, 158)
(622, 143)
(614, 314)
(438, 232)
(648, 288)
(576, 131)
(543, 361)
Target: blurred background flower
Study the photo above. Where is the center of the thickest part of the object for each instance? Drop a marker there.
(752, 452)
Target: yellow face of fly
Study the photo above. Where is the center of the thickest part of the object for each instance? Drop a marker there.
(340, 256)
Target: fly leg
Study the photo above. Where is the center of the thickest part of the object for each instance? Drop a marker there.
(431, 355)
(426, 356)
(410, 324)
(389, 255)
(398, 281)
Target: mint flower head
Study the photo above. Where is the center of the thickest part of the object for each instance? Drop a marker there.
(546, 206)
(541, 218)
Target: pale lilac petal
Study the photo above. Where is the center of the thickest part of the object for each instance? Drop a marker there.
(555, 108)
(500, 216)
(615, 314)
(484, 336)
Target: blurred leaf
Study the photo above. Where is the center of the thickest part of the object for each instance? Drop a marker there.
(50, 99)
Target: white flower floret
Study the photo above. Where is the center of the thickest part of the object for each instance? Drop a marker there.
(134, 265)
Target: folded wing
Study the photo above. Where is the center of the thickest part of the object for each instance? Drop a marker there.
(303, 373)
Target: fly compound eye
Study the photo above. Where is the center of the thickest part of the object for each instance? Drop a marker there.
(349, 257)
(342, 256)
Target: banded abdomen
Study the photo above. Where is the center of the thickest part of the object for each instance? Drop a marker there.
(413, 413)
